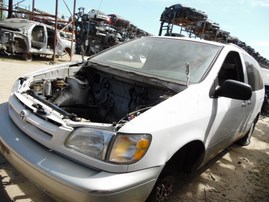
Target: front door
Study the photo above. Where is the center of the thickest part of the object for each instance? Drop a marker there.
(229, 114)
(38, 37)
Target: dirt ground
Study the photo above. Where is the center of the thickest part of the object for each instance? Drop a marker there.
(237, 174)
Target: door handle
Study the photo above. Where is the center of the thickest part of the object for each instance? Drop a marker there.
(244, 104)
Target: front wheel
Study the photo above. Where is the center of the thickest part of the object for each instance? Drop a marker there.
(163, 189)
(27, 56)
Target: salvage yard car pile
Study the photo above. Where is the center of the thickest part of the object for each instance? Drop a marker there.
(96, 31)
(196, 23)
(120, 126)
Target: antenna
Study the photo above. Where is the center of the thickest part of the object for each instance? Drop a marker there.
(187, 65)
(100, 5)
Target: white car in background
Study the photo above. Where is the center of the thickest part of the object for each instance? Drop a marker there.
(122, 125)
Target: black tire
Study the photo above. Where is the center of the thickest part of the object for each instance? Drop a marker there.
(27, 56)
(68, 51)
(163, 188)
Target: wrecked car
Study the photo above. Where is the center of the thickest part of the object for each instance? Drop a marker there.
(98, 15)
(27, 38)
(178, 11)
(121, 125)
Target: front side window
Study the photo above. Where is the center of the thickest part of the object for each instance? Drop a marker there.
(164, 58)
(231, 68)
(38, 37)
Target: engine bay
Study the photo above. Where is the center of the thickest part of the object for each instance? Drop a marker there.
(93, 95)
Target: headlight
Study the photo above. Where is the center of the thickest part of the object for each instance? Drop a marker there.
(129, 148)
(89, 141)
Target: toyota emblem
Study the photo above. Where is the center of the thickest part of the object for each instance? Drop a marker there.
(23, 114)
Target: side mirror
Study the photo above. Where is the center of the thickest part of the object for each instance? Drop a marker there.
(234, 90)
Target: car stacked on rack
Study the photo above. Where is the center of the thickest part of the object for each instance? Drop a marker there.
(96, 31)
(197, 24)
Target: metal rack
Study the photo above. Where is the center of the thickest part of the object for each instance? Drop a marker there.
(195, 24)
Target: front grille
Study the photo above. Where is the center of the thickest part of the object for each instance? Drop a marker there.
(28, 126)
(39, 128)
(40, 116)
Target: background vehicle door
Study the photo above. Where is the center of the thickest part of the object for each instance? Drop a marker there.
(38, 40)
(50, 34)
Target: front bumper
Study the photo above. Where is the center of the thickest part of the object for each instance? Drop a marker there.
(67, 180)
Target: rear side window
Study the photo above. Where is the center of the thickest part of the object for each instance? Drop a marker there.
(254, 76)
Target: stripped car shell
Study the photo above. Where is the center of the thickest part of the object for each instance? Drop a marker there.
(114, 127)
(27, 38)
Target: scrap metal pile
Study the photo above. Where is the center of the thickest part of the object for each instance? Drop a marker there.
(96, 31)
(196, 24)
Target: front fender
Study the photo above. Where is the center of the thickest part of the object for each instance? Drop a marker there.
(174, 123)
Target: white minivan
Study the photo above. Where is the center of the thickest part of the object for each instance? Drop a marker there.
(120, 125)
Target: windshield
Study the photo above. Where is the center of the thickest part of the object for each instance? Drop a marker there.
(163, 58)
